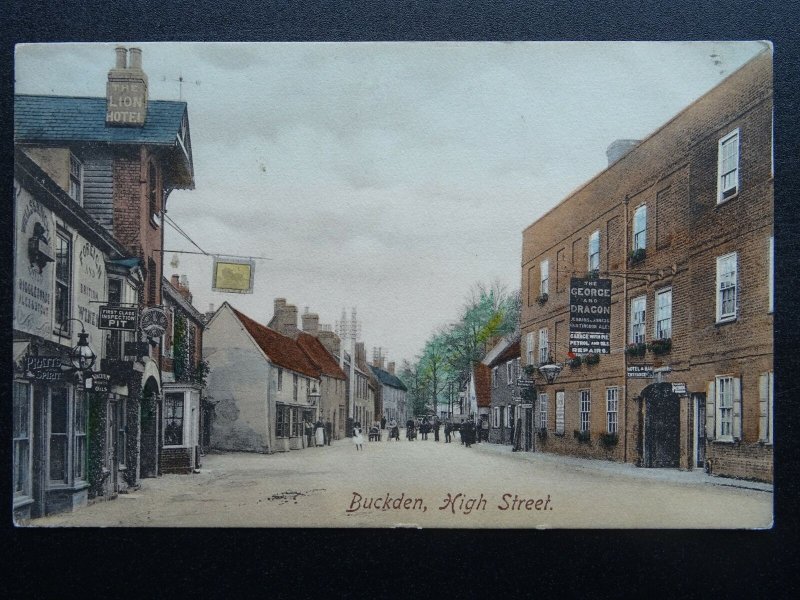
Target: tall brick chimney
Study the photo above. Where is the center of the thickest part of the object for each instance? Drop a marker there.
(331, 342)
(126, 90)
(390, 368)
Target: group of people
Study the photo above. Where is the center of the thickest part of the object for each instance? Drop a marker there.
(470, 431)
(319, 433)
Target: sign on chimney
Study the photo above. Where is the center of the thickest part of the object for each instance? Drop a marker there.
(126, 90)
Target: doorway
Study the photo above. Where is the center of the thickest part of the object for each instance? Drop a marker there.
(150, 419)
(661, 426)
(699, 430)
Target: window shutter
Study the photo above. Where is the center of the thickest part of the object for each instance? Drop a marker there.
(737, 408)
(710, 411)
(763, 391)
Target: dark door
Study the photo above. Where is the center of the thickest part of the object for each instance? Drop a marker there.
(700, 429)
(661, 426)
(528, 429)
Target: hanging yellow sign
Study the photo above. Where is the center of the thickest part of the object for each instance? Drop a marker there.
(233, 275)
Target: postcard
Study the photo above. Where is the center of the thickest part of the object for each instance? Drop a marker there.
(410, 284)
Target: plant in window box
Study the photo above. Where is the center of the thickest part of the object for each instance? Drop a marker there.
(662, 346)
(581, 436)
(609, 440)
(541, 433)
(637, 255)
(540, 300)
(636, 349)
(592, 359)
(530, 370)
(575, 362)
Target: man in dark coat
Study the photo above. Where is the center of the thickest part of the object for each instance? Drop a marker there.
(383, 422)
(436, 425)
(447, 429)
(328, 431)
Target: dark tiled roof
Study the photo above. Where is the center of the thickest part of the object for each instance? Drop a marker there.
(508, 354)
(320, 356)
(281, 350)
(483, 384)
(67, 119)
(387, 378)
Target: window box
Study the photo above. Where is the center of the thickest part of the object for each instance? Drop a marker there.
(575, 363)
(637, 349)
(659, 347)
(592, 359)
(637, 255)
(582, 436)
(540, 300)
(609, 440)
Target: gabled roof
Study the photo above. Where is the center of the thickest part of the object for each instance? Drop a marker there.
(54, 119)
(386, 378)
(483, 384)
(510, 353)
(281, 350)
(317, 353)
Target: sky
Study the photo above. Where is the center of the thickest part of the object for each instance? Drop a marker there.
(389, 177)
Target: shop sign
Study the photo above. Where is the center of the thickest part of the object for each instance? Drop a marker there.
(590, 316)
(679, 389)
(233, 275)
(118, 318)
(153, 322)
(102, 382)
(526, 405)
(44, 368)
(640, 371)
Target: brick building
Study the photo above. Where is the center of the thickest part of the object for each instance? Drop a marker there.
(681, 224)
(119, 157)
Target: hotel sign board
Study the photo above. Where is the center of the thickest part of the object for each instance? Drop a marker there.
(590, 315)
(233, 275)
(640, 372)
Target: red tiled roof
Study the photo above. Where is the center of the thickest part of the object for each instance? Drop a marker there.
(281, 350)
(317, 353)
(483, 385)
(509, 353)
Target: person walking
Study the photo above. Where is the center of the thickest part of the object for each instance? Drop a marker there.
(485, 428)
(309, 431)
(328, 431)
(394, 431)
(436, 425)
(319, 432)
(447, 429)
(358, 437)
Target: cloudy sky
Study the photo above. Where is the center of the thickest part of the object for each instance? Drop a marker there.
(388, 176)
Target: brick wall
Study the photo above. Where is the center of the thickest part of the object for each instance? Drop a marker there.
(674, 174)
(176, 460)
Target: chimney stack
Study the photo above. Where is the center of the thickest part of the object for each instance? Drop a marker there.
(390, 368)
(126, 90)
(310, 323)
(619, 148)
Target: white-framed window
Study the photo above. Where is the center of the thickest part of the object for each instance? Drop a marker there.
(174, 405)
(496, 417)
(529, 347)
(543, 409)
(544, 348)
(728, 408)
(640, 228)
(282, 415)
(728, 166)
(594, 251)
(765, 408)
(638, 319)
(510, 372)
(79, 436)
(560, 413)
(612, 405)
(544, 277)
(75, 179)
(63, 282)
(771, 273)
(21, 433)
(58, 446)
(585, 409)
(664, 314)
(727, 287)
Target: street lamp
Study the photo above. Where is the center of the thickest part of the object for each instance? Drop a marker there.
(550, 370)
(313, 393)
(81, 356)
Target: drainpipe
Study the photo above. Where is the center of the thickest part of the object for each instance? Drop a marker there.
(625, 338)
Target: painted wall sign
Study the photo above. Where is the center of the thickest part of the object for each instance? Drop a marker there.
(118, 318)
(101, 382)
(91, 281)
(640, 371)
(233, 275)
(126, 102)
(679, 388)
(44, 368)
(33, 285)
(590, 315)
(153, 321)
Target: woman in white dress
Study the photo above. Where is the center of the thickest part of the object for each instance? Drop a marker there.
(319, 433)
(358, 437)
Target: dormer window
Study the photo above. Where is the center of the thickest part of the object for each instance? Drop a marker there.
(75, 179)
